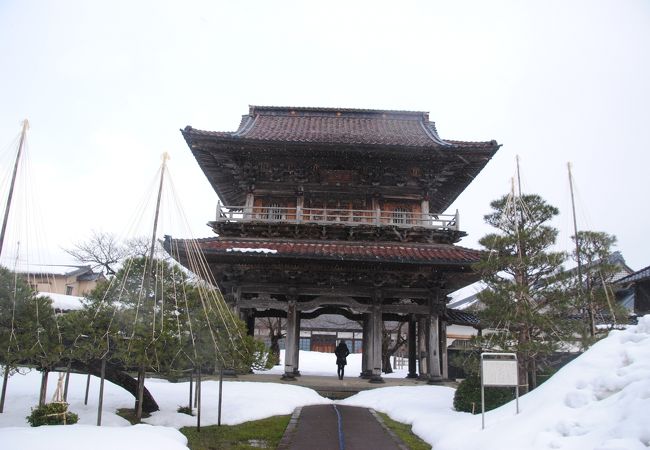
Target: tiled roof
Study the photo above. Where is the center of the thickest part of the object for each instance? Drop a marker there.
(338, 126)
(639, 275)
(52, 270)
(349, 251)
(457, 317)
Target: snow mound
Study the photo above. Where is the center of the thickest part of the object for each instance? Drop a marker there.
(598, 401)
(83, 437)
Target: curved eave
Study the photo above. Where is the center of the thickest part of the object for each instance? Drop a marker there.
(195, 136)
(214, 150)
(228, 250)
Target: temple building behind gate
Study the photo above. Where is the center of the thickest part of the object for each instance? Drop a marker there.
(341, 211)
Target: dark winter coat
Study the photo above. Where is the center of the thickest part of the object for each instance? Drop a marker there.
(341, 352)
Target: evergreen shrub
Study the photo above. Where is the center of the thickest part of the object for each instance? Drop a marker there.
(468, 395)
(52, 414)
(185, 410)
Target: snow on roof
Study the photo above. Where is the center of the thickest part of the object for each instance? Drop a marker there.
(251, 250)
(64, 302)
(465, 297)
(50, 269)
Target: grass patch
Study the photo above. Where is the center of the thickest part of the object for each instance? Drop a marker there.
(185, 410)
(129, 414)
(265, 433)
(405, 434)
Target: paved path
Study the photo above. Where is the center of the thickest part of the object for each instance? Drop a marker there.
(332, 387)
(337, 427)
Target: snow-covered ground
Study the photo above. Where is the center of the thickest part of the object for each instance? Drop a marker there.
(324, 364)
(599, 401)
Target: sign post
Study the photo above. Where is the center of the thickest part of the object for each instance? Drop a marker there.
(498, 369)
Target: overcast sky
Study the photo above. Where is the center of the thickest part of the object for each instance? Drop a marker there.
(107, 86)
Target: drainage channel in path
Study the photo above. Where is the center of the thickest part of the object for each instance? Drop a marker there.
(337, 427)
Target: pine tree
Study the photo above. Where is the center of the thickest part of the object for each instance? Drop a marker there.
(29, 332)
(525, 311)
(592, 291)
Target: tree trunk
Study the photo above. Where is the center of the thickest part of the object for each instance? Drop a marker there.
(140, 393)
(386, 365)
(43, 394)
(387, 350)
(275, 348)
(120, 378)
(275, 334)
(533, 374)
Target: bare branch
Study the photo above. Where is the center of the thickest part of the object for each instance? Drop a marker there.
(101, 250)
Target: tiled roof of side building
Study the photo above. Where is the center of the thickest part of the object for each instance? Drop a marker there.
(457, 317)
(339, 126)
(639, 275)
(354, 251)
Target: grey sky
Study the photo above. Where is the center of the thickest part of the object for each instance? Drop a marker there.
(107, 85)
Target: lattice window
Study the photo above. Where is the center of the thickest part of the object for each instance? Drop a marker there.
(275, 212)
(400, 215)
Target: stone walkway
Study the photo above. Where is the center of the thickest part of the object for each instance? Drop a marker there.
(337, 427)
(332, 387)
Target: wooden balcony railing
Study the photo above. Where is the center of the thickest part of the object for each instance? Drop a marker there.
(325, 216)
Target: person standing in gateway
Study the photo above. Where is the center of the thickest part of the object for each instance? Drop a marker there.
(342, 351)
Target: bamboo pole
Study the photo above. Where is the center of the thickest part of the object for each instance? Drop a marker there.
(592, 328)
(87, 389)
(13, 183)
(21, 144)
(147, 281)
(220, 392)
(5, 380)
(67, 383)
(198, 396)
(189, 404)
(196, 391)
(101, 392)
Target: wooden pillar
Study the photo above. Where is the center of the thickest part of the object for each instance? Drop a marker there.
(296, 348)
(365, 348)
(300, 203)
(250, 323)
(248, 207)
(247, 316)
(412, 348)
(377, 208)
(444, 362)
(290, 342)
(424, 207)
(422, 347)
(376, 323)
(433, 352)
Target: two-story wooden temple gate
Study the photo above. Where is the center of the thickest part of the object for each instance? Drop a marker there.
(340, 211)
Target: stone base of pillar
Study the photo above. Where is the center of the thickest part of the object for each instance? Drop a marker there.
(434, 379)
(296, 372)
(365, 374)
(376, 379)
(412, 375)
(288, 376)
